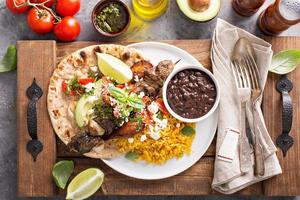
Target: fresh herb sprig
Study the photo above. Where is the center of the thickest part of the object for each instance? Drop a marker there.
(131, 101)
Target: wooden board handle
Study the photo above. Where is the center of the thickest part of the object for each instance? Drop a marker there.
(36, 59)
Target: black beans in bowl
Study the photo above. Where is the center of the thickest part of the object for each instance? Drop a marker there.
(191, 93)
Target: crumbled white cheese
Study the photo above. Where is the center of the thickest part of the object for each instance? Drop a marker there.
(94, 68)
(89, 87)
(112, 101)
(92, 99)
(154, 132)
(130, 140)
(136, 78)
(153, 107)
(143, 138)
(126, 119)
(141, 95)
(155, 135)
(178, 125)
(162, 124)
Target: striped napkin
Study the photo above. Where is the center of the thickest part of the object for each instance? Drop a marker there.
(228, 177)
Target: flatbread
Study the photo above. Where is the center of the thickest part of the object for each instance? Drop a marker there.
(61, 107)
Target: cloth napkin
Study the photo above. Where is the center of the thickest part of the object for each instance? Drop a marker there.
(228, 177)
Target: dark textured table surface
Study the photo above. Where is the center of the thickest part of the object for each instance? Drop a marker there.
(172, 25)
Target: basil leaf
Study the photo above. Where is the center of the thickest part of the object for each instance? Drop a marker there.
(135, 101)
(188, 131)
(118, 94)
(61, 172)
(9, 61)
(132, 155)
(285, 61)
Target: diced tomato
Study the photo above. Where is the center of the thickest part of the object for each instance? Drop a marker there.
(64, 88)
(85, 81)
(161, 106)
(120, 86)
(147, 118)
(146, 100)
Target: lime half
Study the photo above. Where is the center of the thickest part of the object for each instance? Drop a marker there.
(85, 184)
(114, 68)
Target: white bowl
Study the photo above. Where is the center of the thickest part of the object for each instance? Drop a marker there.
(210, 112)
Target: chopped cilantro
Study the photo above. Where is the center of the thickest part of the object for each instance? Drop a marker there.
(188, 131)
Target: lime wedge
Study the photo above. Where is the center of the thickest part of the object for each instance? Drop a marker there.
(61, 172)
(114, 68)
(85, 184)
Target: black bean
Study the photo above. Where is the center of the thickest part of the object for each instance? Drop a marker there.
(192, 93)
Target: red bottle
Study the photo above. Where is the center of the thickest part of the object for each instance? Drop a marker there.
(247, 7)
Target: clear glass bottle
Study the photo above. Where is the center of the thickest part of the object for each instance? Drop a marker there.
(149, 9)
(279, 16)
(247, 7)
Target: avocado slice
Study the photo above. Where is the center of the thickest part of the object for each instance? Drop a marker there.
(85, 104)
(207, 14)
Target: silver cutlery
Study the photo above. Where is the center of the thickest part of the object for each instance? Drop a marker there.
(243, 93)
(245, 61)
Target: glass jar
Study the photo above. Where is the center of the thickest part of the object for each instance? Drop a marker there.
(247, 7)
(149, 9)
(279, 16)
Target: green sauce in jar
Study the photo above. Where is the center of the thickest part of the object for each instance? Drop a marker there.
(112, 18)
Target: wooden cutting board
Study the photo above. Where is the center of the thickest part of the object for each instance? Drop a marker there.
(39, 58)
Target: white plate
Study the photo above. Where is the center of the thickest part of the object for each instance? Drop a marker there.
(205, 130)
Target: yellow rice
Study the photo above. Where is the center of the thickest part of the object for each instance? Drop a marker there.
(172, 143)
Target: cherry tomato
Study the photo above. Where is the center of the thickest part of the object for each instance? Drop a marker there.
(11, 6)
(67, 7)
(40, 21)
(161, 106)
(85, 81)
(122, 86)
(64, 89)
(67, 30)
(48, 4)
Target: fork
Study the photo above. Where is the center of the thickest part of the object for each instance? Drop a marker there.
(245, 55)
(250, 64)
(243, 86)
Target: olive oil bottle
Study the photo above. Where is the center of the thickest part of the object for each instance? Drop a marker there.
(149, 9)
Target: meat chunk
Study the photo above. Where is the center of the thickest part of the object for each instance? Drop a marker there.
(140, 67)
(149, 90)
(164, 68)
(129, 129)
(107, 125)
(153, 80)
(84, 143)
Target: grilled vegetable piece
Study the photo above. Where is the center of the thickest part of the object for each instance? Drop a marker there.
(84, 143)
(129, 129)
(140, 67)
